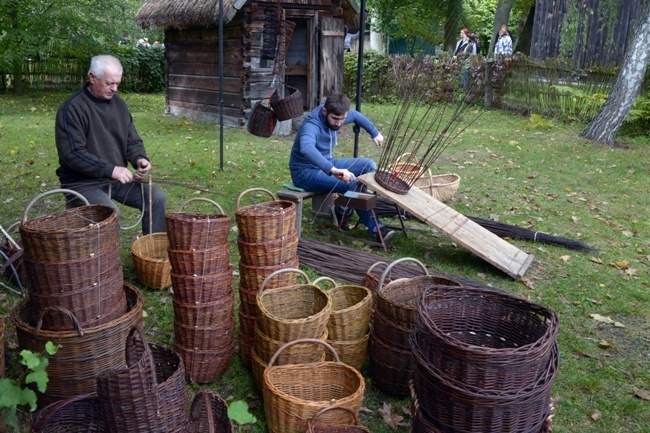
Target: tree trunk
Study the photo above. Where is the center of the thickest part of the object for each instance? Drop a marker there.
(525, 34)
(605, 125)
(501, 17)
(451, 26)
(488, 95)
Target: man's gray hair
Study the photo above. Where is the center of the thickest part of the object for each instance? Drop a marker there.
(100, 64)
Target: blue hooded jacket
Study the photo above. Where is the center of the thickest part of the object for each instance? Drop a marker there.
(314, 144)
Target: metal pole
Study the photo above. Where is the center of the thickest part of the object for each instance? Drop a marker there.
(221, 85)
(362, 21)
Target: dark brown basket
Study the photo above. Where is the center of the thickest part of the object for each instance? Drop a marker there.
(392, 181)
(209, 414)
(69, 234)
(390, 367)
(420, 423)
(485, 339)
(197, 231)
(247, 321)
(268, 253)
(170, 392)
(205, 338)
(89, 307)
(79, 414)
(288, 107)
(200, 262)
(45, 278)
(246, 343)
(322, 422)
(264, 222)
(261, 120)
(248, 300)
(252, 277)
(205, 313)
(371, 277)
(203, 289)
(392, 331)
(206, 366)
(84, 353)
(460, 409)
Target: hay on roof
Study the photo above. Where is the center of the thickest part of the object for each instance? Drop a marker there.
(184, 14)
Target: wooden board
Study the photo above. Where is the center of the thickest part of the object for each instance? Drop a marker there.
(458, 227)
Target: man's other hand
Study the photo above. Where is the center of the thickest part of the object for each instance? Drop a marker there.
(122, 174)
(143, 167)
(379, 140)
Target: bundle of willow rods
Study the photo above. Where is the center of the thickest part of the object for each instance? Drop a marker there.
(422, 128)
(387, 209)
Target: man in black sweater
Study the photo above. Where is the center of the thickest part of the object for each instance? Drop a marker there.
(96, 139)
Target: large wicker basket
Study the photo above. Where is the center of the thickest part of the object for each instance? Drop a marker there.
(442, 187)
(267, 221)
(295, 393)
(261, 120)
(351, 310)
(288, 107)
(150, 260)
(189, 231)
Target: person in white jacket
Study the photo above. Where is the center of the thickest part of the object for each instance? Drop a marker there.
(503, 47)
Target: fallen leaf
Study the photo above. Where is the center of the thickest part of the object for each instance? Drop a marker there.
(596, 415)
(627, 233)
(565, 258)
(596, 260)
(603, 319)
(630, 271)
(621, 264)
(391, 419)
(575, 219)
(604, 344)
(528, 283)
(595, 301)
(642, 393)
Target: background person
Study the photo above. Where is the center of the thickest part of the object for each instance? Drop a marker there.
(312, 162)
(503, 46)
(95, 141)
(465, 46)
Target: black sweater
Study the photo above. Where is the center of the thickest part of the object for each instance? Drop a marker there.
(93, 136)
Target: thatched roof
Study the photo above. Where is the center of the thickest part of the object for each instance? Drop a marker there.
(184, 14)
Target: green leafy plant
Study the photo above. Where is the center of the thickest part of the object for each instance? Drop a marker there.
(15, 392)
(238, 411)
(537, 121)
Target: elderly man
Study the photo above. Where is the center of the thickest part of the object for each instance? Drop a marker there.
(96, 139)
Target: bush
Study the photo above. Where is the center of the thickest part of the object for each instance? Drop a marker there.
(144, 68)
(376, 81)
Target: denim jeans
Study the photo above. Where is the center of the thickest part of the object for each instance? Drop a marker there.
(129, 194)
(318, 181)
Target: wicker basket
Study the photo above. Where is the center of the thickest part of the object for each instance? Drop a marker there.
(246, 343)
(351, 310)
(205, 338)
(371, 277)
(204, 288)
(395, 332)
(13, 255)
(485, 339)
(392, 182)
(261, 120)
(288, 107)
(248, 300)
(295, 393)
(204, 313)
(351, 352)
(78, 414)
(70, 234)
(200, 262)
(320, 423)
(407, 170)
(203, 366)
(189, 231)
(84, 353)
(268, 253)
(293, 312)
(252, 277)
(150, 260)
(264, 222)
(247, 321)
(397, 299)
(390, 367)
(442, 187)
(209, 414)
(297, 354)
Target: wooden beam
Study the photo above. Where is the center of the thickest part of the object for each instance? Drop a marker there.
(458, 227)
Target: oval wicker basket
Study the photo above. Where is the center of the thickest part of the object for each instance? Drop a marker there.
(189, 231)
(390, 366)
(203, 288)
(204, 313)
(205, 338)
(267, 221)
(351, 352)
(409, 169)
(296, 354)
(295, 393)
(442, 187)
(150, 260)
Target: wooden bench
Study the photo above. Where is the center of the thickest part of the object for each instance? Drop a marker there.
(321, 204)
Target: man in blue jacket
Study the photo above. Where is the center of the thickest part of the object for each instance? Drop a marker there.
(312, 162)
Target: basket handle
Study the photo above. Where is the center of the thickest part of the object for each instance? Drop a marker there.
(201, 199)
(343, 408)
(410, 156)
(131, 343)
(54, 191)
(10, 241)
(328, 279)
(43, 416)
(251, 190)
(302, 340)
(389, 267)
(374, 265)
(281, 271)
(73, 318)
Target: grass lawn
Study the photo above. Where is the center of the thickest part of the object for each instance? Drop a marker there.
(535, 175)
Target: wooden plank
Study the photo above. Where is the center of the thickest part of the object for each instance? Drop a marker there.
(458, 227)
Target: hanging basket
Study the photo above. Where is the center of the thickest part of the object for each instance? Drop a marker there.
(442, 187)
(190, 231)
(209, 414)
(321, 424)
(295, 393)
(150, 260)
(267, 221)
(289, 313)
(261, 120)
(288, 107)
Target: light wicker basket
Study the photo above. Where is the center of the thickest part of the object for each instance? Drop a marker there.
(151, 262)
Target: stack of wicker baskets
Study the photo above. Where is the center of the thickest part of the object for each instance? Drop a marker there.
(393, 321)
(267, 242)
(77, 295)
(484, 361)
(286, 314)
(348, 327)
(204, 321)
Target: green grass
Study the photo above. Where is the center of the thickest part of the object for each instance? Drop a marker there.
(546, 179)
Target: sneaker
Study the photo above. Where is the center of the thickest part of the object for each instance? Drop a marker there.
(386, 233)
(339, 212)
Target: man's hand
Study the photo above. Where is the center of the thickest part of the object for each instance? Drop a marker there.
(122, 174)
(143, 167)
(345, 175)
(379, 140)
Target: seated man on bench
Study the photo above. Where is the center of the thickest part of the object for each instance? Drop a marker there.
(312, 162)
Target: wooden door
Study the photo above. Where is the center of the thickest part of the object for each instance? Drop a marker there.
(331, 57)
